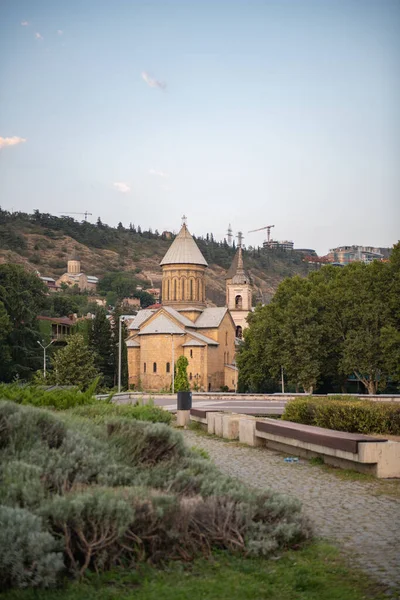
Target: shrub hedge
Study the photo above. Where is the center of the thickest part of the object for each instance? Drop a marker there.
(343, 414)
(103, 411)
(117, 493)
(58, 399)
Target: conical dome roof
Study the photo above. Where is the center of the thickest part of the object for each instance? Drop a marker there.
(184, 250)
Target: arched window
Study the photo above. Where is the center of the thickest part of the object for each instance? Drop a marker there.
(239, 332)
(198, 290)
(224, 358)
(226, 338)
(191, 353)
(174, 289)
(154, 367)
(190, 377)
(238, 302)
(144, 367)
(168, 367)
(191, 290)
(227, 358)
(183, 289)
(168, 298)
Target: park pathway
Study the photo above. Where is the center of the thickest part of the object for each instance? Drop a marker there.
(365, 524)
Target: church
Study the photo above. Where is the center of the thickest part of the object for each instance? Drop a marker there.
(185, 325)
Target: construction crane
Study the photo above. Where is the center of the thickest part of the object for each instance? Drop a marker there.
(268, 228)
(86, 213)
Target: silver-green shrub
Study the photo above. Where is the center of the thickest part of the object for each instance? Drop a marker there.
(28, 554)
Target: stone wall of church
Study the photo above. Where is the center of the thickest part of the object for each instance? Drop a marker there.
(197, 367)
(156, 360)
(134, 367)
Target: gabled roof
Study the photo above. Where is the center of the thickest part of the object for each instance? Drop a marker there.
(181, 318)
(210, 317)
(202, 338)
(184, 250)
(161, 324)
(193, 343)
(140, 318)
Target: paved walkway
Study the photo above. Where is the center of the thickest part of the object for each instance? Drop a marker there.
(349, 512)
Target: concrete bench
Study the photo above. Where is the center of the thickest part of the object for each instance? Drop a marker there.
(364, 453)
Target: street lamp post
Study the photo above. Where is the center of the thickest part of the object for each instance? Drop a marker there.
(121, 318)
(173, 363)
(44, 355)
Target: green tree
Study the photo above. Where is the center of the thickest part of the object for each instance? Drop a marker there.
(181, 383)
(334, 323)
(22, 295)
(74, 364)
(100, 341)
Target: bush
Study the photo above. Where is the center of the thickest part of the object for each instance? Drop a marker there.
(344, 414)
(145, 443)
(119, 492)
(27, 552)
(59, 399)
(101, 411)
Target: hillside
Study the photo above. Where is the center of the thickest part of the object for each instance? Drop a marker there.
(44, 243)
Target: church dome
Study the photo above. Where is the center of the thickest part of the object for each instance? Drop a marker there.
(184, 251)
(183, 266)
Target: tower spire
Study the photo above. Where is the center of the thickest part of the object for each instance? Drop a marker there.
(240, 275)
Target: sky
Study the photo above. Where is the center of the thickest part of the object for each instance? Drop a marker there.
(250, 112)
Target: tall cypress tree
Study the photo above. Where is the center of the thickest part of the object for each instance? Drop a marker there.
(115, 348)
(100, 341)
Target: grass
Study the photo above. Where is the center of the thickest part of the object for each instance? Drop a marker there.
(317, 572)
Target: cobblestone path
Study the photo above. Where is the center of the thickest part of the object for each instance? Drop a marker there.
(364, 524)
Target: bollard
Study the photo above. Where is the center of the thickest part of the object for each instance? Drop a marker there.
(184, 404)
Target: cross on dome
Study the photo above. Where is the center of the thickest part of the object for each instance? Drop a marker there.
(184, 220)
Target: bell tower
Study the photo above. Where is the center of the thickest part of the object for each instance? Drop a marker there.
(238, 293)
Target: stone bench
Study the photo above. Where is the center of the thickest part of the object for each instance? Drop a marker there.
(363, 453)
(217, 423)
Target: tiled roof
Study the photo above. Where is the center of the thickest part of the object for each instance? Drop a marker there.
(58, 320)
(140, 318)
(210, 317)
(161, 324)
(184, 250)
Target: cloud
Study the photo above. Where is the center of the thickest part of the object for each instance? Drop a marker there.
(11, 141)
(24, 23)
(158, 173)
(122, 187)
(38, 36)
(154, 83)
(60, 31)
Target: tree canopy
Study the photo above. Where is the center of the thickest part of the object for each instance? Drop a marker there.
(22, 295)
(336, 323)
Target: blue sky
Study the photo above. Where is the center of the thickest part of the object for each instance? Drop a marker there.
(244, 112)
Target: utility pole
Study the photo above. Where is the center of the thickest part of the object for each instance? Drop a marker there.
(44, 355)
(282, 381)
